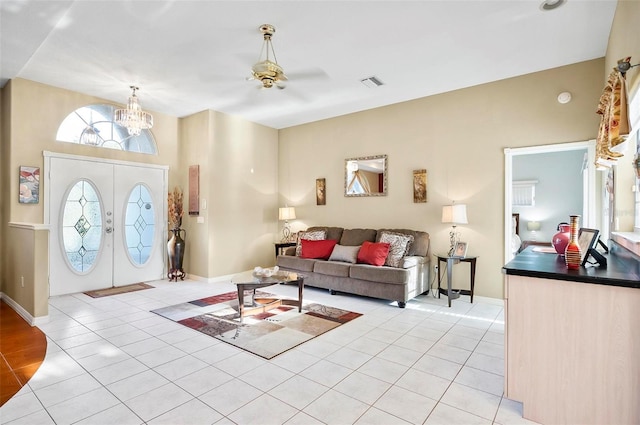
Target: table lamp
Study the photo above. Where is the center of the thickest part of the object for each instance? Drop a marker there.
(533, 227)
(454, 214)
(286, 214)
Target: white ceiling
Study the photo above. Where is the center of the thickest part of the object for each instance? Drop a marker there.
(189, 56)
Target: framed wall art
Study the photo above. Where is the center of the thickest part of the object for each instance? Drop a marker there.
(194, 190)
(29, 185)
(419, 186)
(321, 194)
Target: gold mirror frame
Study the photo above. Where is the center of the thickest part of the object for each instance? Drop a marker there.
(371, 167)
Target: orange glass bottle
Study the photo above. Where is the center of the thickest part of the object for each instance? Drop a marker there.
(573, 254)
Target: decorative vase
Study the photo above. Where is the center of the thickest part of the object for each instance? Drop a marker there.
(561, 239)
(175, 251)
(573, 254)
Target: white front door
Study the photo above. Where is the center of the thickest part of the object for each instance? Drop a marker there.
(107, 221)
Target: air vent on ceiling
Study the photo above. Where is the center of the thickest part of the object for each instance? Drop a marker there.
(372, 82)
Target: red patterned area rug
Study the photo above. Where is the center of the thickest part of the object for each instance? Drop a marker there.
(265, 333)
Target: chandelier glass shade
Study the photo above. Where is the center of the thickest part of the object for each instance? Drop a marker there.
(133, 118)
(266, 70)
(89, 136)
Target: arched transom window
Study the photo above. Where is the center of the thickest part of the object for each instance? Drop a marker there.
(93, 125)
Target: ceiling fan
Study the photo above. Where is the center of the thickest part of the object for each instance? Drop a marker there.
(267, 71)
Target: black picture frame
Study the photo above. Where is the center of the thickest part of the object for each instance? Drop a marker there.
(587, 239)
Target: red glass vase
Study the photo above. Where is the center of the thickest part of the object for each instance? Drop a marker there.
(572, 253)
(561, 239)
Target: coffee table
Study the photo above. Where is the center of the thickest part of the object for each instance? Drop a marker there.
(249, 281)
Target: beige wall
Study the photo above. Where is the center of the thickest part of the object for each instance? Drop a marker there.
(31, 114)
(458, 137)
(624, 41)
(238, 182)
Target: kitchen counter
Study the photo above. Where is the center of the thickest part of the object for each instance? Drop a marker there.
(622, 269)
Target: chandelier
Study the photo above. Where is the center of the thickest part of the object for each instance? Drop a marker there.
(267, 71)
(133, 118)
(90, 136)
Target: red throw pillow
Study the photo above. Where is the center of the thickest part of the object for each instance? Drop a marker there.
(317, 249)
(373, 253)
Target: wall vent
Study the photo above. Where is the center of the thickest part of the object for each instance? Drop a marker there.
(372, 82)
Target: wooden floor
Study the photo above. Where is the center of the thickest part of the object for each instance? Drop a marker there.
(22, 349)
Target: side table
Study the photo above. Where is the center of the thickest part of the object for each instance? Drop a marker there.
(282, 245)
(450, 262)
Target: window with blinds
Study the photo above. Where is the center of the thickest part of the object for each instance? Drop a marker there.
(524, 193)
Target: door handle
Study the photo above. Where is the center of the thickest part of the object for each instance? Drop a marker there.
(109, 229)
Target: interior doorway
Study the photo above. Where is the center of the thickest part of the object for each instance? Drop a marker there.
(107, 221)
(588, 185)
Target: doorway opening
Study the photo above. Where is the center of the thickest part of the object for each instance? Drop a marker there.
(588, 188)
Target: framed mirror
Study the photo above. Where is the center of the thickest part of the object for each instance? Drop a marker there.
(365, 176)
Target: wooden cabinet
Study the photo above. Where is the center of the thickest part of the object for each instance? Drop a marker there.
(572, 350)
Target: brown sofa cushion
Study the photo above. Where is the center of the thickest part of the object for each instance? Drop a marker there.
(295, 263)
(419, 246)
(334, 233)
(355, 237)
(379, 274)
(332, 268)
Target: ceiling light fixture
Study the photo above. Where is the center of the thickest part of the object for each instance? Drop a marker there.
(133, 118)
(90, 136)
(268, 72)
(552, 4)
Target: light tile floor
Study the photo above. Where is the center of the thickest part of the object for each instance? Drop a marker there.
(110, 361)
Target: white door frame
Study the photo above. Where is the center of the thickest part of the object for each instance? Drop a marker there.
(589, 187)
(47, 190)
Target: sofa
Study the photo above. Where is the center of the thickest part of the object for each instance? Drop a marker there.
(346, 266)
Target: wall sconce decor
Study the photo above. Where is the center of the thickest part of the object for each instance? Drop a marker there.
(419, 186)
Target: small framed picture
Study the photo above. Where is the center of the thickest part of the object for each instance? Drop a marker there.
(419, 186)
(460, 249)
(321, 194)
(587, 239)
(29, 185)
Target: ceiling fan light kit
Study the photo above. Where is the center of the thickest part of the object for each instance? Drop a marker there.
(133, 118)
(267, 71)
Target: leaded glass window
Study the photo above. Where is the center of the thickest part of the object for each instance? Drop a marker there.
(93, 125)
(139, 225)
(82, 226)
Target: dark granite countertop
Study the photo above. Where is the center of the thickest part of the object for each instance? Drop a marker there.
(622, 269)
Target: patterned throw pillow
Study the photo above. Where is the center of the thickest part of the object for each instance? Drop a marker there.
(315, 235)
(399, 244)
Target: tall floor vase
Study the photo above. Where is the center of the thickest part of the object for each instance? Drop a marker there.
(573, 254)
(175, 250)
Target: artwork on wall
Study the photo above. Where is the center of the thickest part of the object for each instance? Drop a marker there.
(321, 194)
(419, 186)
(194, 190)
(29, 185)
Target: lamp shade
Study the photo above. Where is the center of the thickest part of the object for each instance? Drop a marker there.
(286, 213)
(533, 226)
(456, 214)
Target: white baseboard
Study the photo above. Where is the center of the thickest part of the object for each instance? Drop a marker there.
(489, 300)
(216, 279)
(33, 321)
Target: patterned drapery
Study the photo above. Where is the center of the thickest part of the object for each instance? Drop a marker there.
(614, 119)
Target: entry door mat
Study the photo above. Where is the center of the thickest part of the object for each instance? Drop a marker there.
(118, 290)
(266, 333)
